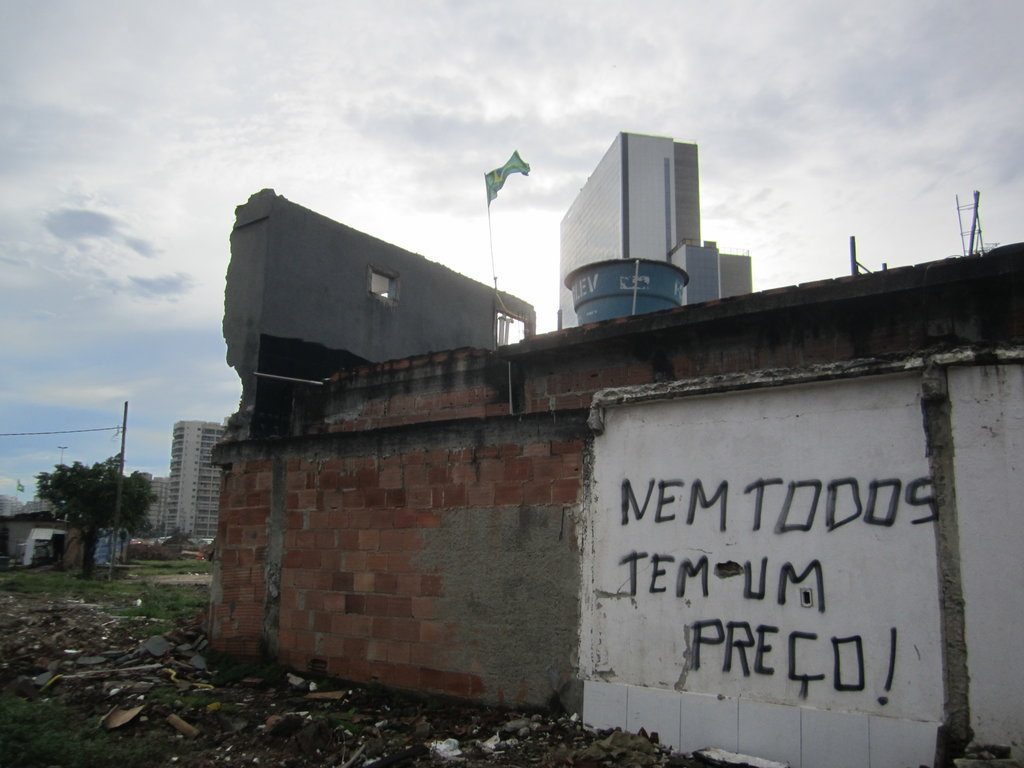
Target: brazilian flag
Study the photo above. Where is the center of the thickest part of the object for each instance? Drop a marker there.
(495, 179)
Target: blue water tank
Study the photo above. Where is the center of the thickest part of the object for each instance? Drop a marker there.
(622, 287)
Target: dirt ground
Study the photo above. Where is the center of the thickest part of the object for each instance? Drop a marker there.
(115, 673)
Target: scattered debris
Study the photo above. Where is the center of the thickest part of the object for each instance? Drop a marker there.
(326, 695)
(623, 748)
(447, 749)
(116, 718)
(171, 687)
(988, 751)
(185, 729)
(157, 646)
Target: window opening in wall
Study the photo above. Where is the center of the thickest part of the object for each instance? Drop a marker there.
(383, 284)
(509, 329)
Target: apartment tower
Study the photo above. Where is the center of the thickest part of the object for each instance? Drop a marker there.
(193, 494)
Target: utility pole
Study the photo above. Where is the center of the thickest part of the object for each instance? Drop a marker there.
(117, 498)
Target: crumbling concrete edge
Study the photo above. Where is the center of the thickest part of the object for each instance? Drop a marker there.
(775, 377)
(956, 733)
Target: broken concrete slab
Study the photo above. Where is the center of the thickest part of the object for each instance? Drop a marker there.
(156, 646)
(726, 759)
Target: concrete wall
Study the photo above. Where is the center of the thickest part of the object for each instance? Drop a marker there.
(987, 409)
(766, 548)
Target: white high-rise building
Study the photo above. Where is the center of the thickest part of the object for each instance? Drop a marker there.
(643, 202)
(161, 518)
(193, 494)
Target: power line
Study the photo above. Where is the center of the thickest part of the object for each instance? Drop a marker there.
(60, 432)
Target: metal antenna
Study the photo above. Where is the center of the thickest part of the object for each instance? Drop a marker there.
(969, 235)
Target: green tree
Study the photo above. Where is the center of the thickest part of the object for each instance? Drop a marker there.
(85, 497)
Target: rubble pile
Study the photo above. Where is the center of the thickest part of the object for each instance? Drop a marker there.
(211, 711)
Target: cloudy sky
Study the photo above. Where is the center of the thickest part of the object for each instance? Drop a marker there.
(129, 131)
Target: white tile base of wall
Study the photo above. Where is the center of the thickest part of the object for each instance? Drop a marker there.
(803, 737)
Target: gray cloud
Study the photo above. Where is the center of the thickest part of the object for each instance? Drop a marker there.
(74, 224)
(140, 246)
(163, 286)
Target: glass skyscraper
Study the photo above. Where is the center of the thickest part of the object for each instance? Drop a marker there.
(643, 201)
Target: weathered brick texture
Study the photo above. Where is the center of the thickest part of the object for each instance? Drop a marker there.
(354, 589)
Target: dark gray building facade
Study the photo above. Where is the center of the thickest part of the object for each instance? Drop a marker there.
(307, 296)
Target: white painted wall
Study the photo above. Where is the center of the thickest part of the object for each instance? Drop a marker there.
(879, 581)
(988, 428)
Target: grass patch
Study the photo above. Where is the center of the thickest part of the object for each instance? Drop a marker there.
(146, 568)
(45, 733)
(66, 584)
(167, 603)
(169, 696)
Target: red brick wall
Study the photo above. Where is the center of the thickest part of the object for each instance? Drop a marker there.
(353, 589)
(237, 605)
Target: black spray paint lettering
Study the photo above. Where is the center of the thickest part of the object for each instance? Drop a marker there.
(915, 500)
(748, 587)
(628, 499)
(630, 560)
(837, 669)
(698, 498)
(883, 700)
(797, 511)
(783, 525)
(731, 644)
(758, 486)
(690, 569)
(687, 569)
(794, 674)
(832, 499)
(871, 516)
(657, 571)
(788, 574)
(664, 500)
(737, 638)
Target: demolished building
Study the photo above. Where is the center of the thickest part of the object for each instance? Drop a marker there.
(786, 523)
(307, 296)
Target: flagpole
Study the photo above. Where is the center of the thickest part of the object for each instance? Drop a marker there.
(490, 240)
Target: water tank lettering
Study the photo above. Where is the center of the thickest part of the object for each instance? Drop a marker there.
(585, 286)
